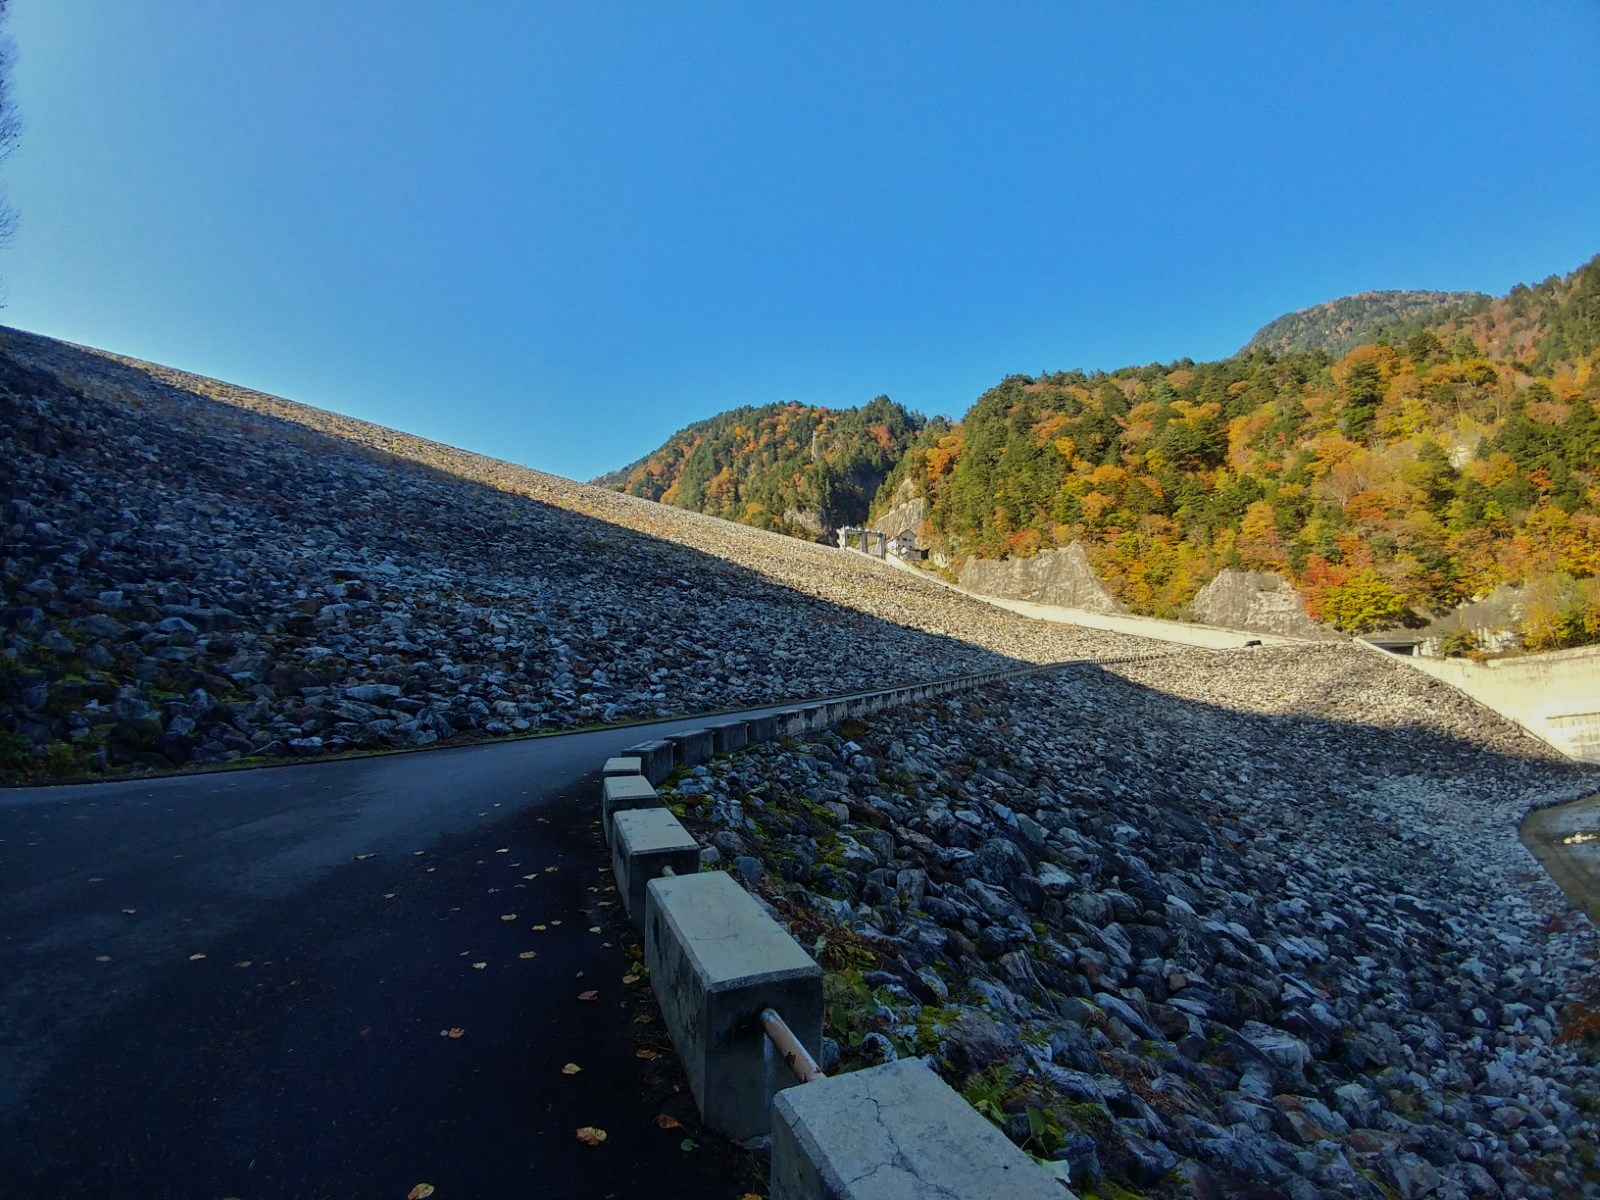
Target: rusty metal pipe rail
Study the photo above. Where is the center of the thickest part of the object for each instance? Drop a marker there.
(795, 1056)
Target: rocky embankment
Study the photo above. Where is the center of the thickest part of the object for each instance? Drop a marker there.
(195, 573)
(1250, 923)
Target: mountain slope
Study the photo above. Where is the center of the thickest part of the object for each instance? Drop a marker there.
(1339, 326)
(785, 467)
(1401, 475)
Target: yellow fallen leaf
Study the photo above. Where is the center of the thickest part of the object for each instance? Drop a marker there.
(196, 957)
(555, 922)
(455, 1031)
(479, 966)
(645, 1053)
(594, 929)
(590, 1136)
(421, 1192)
(665, 1121)
(540, 928)
(571, 1069)
(590, 995)
(529, 954)
(630, 979)
(508, 916)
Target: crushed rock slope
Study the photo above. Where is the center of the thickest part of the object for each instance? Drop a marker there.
(1228, 923)
(195, 573)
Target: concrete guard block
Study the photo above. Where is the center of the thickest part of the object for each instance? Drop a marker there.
(895, 1132)
(761, 729)
(628, 765)
(729, 735)
(643, 841)
(692, 748)
(655, 759)
(621, 793)
(716, 960)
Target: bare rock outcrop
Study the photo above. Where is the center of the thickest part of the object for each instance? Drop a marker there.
(1061, 577)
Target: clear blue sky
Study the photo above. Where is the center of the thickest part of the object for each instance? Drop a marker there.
(558, 232)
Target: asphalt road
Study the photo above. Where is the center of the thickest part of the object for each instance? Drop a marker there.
(244, 984)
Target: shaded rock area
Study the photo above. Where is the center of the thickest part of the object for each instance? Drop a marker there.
(1260, 601)
(1251, 923)
(193, 573)
(1063, 577)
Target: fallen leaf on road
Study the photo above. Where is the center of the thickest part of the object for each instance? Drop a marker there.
(421, 1192)
(646, 1053)
(364, 857)
(503, 850)
(686, 1145)
(128, 912)
(431, 870)
(590, 1136)
(664, 1121)
(196, 957)
(551, 870)
(102, 958)
(571, 1069)
(479, 966)
(589, 995)
(540, 928)
(594, 929)
(508, 916)
(530, 877)
(243, 962)
(454, 1031)
(630, 979)
(529, 954)
(390, 895)
(555, 922)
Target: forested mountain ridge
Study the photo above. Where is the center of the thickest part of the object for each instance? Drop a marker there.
(1397, 476)
(793, 468)
(1339, 326)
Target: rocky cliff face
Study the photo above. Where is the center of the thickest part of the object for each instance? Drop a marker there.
(1063, 577)
(1256, 600)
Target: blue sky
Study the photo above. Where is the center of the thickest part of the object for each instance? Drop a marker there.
(558, 232)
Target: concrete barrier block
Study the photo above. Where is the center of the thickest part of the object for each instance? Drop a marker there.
(716, 960)
(643, 841)
(761, 729)
(622, 792)
(623, 765)
(895, 1132)
(791, 721)
(655, 759)
(729, 735)
(692, 748)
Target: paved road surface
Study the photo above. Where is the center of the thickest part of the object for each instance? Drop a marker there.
(342, 910)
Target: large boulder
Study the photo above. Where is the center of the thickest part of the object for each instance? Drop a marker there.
(1260, 601)
(1061, 577)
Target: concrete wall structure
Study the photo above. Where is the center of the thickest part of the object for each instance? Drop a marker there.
(717, 959)
(1555, 697)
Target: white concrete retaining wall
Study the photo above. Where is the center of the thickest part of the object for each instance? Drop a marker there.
(1555, 697)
